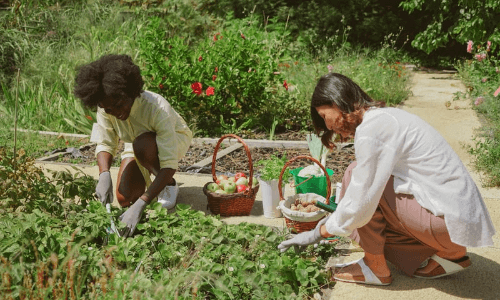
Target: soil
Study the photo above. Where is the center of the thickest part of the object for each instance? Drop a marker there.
(236, 161)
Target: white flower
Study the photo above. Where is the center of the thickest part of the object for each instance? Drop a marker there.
(262, 266)
(230, 269)
(90, 248)
(257, 236)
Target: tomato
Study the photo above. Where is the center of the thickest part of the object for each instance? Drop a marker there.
(239, 175)
(241, 188)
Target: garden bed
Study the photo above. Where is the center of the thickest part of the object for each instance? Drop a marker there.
(235, 161)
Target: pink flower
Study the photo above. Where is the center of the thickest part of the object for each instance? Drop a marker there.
(210, 91)
(480, 57)
(497, 70)
(478, 101)
(496, 92)
(488, 45)
(469, 46)
(330, 68)
(484, 79)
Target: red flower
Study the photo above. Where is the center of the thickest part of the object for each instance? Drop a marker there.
(197, 88)
(216, 35)
(216, 70)
(89, 118)
(243, 36)
(214, 77)
(200, 58)
(210, 91)
(160, 86)
(285, 85)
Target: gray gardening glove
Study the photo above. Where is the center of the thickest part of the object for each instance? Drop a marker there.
(132, 216)
(104, 188)
(302, 239)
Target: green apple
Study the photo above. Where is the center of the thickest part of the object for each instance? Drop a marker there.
(213, 187)
(242, 181)
(229, 187)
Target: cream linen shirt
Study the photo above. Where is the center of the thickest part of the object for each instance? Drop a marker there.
(390, 141)
(149, 113)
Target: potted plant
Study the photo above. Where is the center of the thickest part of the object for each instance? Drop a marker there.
(270, 170)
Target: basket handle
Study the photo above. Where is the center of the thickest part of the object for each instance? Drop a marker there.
(328, 181)
(250, 164)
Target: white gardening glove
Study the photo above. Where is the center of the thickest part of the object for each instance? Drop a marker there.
(132, 216)
(104, 188)
(302, 239)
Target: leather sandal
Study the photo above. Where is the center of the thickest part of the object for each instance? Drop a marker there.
(368, 276)
(445, 267)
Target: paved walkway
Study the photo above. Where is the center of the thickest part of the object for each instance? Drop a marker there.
(481, 281)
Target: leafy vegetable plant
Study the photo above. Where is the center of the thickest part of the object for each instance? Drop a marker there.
(271, 168)
(54, 245)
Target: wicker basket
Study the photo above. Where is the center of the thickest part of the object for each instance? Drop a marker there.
(237, 204)
(301, 221)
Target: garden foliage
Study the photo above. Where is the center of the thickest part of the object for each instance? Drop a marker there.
(455, 21)
(481, 75)
(54, 245)
(229, 82)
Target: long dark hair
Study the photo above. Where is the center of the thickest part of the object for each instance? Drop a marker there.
(110, 76)
(337, 89)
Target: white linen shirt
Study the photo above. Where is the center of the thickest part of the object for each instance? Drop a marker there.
(149, 113)
(390, 141)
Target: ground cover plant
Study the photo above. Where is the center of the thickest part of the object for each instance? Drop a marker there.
(54, 245)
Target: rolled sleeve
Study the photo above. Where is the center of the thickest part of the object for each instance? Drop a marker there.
(375, 162)
(108, 138)
(166, 137)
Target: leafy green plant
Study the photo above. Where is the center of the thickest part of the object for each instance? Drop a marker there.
(54, 245)
(226, 84)
(270, 169)
(459, 21)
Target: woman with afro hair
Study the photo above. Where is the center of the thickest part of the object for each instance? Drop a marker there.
(155, 136)
(407, 199)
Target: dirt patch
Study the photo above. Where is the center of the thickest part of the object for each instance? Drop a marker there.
(236, 161)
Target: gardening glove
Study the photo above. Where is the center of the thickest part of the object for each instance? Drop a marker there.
(104, 188)
(132, 216)
(318, 226)
(302, 240)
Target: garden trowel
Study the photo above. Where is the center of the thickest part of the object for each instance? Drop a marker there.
(112, 228)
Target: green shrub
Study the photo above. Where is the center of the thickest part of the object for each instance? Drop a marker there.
(236, 63)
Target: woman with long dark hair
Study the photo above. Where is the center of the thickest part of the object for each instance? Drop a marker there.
(407, 199)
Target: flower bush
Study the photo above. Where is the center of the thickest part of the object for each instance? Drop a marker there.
(481, 75)
(226, 84)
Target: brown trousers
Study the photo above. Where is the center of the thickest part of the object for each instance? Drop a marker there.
(401, 229)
